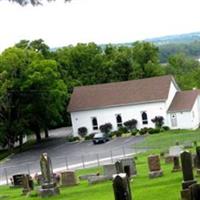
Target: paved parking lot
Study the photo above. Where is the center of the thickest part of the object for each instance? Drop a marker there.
(64, 153)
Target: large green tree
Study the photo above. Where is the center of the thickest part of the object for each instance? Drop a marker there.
(185, 70)
(118, 63)
(13, 62)
(46, 94)
(35, 45)
(32, 94)
(145, 60)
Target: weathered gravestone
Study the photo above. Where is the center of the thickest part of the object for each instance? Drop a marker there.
(188, 178)
(119, 167)
(27, 184)
(49, 187)
(109, 170)
(198, 160)
(175, 150)
(68, 178)
(154, 166)
(97, 179)
(17, 180)
(126, 165)
(121, 187)
(86, 176)
(129, 166)
(176, 163)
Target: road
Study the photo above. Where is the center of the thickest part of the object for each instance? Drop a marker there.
(64, 154)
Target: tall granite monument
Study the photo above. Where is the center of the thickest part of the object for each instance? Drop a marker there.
(49, 187)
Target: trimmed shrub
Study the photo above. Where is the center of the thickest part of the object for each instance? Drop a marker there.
(118, 134)
(166, 128)
(153, 130)
(123, 130)
(82, 131)
(106, 128)
(113, 133)
(134, 132)
(89, 137)
(130, 124)
(158, 121)
(143, 131)
(72, 138)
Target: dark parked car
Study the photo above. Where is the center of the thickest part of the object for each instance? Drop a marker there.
(100, 138)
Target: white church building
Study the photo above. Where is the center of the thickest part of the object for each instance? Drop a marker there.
(115, 103)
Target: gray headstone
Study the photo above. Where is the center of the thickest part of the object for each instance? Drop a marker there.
(121, 187)
(68, 178)
(97, 179)
(86, 176)
(129, 164)
(175, 150)
(109, 170)
(186, 162)
(119, 167)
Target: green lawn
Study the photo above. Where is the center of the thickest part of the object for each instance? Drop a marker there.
(163, 188)
(164, 140)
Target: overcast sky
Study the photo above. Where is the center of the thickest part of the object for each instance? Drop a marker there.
(100, 21)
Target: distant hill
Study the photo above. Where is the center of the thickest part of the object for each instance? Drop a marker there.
(188, 43)
(182, 38)
(169, 39)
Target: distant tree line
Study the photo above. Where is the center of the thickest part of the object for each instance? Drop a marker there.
(191, 49)
(36, 83)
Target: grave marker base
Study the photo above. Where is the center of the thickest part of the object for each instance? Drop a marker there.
(185, 194)
(186, 184)
(155, 174)
(49, 192)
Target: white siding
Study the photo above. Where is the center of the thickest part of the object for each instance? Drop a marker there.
(195, 114)
(106, 115)
(187, 120)
(172, 92)
(184, 120)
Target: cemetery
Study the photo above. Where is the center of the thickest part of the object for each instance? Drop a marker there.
(145, 176)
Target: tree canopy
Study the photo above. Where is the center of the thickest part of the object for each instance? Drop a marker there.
(36, 82)
(32, 94)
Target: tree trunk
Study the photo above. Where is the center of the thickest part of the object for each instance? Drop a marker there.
(38, 135)
(46, 133)
(20, 142)
(10, 145)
